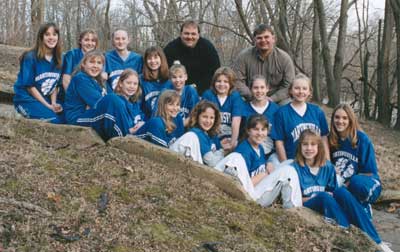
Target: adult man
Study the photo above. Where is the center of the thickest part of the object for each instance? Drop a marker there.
(197, 54)
(265, 59)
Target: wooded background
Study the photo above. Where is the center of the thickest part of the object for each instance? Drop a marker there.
(358, 65)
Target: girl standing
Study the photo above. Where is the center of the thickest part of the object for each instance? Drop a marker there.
(37, 84)
(353, 155)
(228, 101)
(129, 90)
(88, 41)
(320, 191)
(87, 102)
(292, 119)
(154, 79)
(167, 125)
(201, 143)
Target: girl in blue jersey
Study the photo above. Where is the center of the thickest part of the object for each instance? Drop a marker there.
(167, 125)
(189, 96)
(268, 181)
(293, 118)
(353, 155)
(261, 105)
(88, 41)
(120, 58)
(320, 190)
(154, 79)
(201, 142)
(37, 84)
(228, 101)
(86, 102)
(129, 90)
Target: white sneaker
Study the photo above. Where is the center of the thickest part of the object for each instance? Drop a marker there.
(385, 247)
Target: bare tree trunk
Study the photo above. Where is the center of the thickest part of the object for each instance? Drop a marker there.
(37, 15)
(396, 13)
(316, 50)
(78, 18)
(333, 92)
(107, 28)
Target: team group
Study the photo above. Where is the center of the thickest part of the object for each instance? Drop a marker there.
(253, 121)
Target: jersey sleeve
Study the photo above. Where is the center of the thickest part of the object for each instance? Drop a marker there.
(238, 104)
(332, 181)
(68, 63)
(366, 156)
(194, 98)
(277, 131)
(27, 71)
(323, 123)
(86, 92)
(156, 132)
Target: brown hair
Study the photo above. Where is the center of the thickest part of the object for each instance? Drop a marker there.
(125, 75)
(261, 28)
(320, 159)
(162, 72)
(84, 33)
(167, 97)
(201, 107)
(252, 122)
(88, 56)
(299, 77)
(40, 48)
(229, 73)
(190, 23)
(351, 131)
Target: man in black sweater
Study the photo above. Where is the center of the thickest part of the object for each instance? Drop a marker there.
(197, 54)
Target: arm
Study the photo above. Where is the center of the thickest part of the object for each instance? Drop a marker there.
(257, 178)
(239, 66)
(66, 79)
(326, 147)
(280, 150)
(235, 130)
(55, 106)
(36, 94)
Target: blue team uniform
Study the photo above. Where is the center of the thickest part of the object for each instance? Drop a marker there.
(255, 162)
(269, 114)
(71, 60)
(86, 104)
(189, 99)
(341, 206)
(115, 65)
(353, 161)
(288, 125)
(207, 143)
(150, 92)
(233, 106)
(134, 111)
(154, 131)
(43, 75)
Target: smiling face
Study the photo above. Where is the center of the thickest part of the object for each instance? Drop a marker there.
(153, 62)
(93, 66)
(179, 78)
(264, 42)
(309, 149)
(50, 38)
(341, 122)
(129, 86)
(190, 36)
(259, 90)
(206, 119)
(257, 134)
(300, 91)
(172, 108)
(222, 85)
(120, 40)
(88, 42)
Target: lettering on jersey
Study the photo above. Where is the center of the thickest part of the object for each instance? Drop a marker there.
(345, 167)
(116, 73)
(151, 95)
(114, 83)
(184, 112)
(47, 75)
(345, 154)
(103, 92)
(48, 86)
(296, 132)
(313, 189)
(225, 118)
(259, 170)
(137, 119)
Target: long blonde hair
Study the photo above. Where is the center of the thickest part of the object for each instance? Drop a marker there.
(167, 97)
(125, 75)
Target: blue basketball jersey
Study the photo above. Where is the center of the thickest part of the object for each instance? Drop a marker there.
(189, 99)
(233, 106)
(83, 92)
(255, 162)
(207, 143)
(71, 60)
(134, 111)
(39, 73)
(360, 159)
(288, 125)
(310, 184)
(115, 65)
(150, 92)
(155, 131)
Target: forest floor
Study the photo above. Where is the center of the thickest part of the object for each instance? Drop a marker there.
(151, 209)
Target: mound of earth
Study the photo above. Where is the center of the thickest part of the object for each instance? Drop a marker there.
(63, 189)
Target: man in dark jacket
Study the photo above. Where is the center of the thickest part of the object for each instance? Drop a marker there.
(196, 53)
